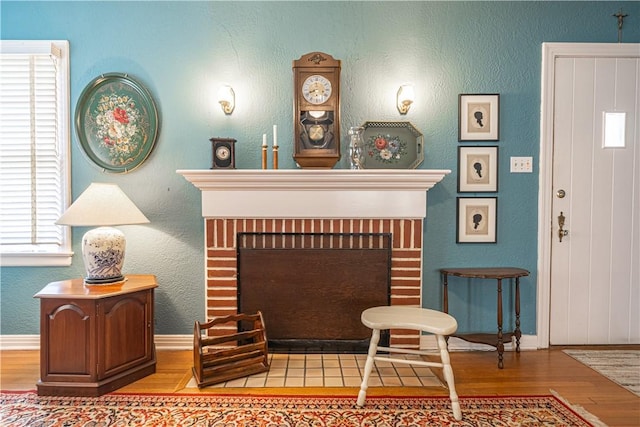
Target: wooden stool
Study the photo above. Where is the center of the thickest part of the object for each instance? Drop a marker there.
(222, 358)
(422, 319)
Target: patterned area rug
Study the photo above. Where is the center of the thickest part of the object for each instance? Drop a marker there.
(620, 366)
(119, 409)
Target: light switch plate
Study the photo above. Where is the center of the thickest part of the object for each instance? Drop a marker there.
(521, 164)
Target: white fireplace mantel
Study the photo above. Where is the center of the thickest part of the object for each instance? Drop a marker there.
(314, 193)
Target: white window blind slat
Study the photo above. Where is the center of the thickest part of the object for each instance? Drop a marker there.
(37, 148)
(33, 149)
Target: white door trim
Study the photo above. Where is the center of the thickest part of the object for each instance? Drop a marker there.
(551, 51)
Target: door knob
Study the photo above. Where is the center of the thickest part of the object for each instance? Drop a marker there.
(561, 231)
(560, 194)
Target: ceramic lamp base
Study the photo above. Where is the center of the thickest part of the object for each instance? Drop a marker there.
(103, 255)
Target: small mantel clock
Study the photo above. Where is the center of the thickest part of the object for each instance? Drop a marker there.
(224, 153)
(316, 120)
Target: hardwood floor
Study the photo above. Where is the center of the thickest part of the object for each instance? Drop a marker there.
(476, 374)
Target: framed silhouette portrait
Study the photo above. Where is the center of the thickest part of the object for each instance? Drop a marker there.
(477, 220)
(478, 169)
(479, 117)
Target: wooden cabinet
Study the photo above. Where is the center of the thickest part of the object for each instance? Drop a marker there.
(95, 339)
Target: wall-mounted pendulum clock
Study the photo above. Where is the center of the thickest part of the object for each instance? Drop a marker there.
(316, 109)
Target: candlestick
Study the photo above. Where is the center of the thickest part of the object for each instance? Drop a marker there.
(275, 157)
(275, 135)
(264, 151)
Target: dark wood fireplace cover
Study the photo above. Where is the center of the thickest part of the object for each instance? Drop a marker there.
(312, 288)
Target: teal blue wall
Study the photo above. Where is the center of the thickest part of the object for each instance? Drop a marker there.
(182, 52)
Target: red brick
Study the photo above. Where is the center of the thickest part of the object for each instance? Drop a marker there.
(208, 229)
(411, 292)
(223, 304)
(230, 233)
(221, 253)
(398, 273)
(406, 253)
(396, 300)
(406, 233)
(404, 342)
(405, 332)
(221, 263)
(417, 229)
(410, 283)
(217, 292)
(213, 312)
(221, 273)
(405, 263)
(221, 282)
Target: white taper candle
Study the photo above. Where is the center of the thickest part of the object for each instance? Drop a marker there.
(275, 135)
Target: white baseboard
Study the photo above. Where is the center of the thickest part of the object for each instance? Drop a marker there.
(32, 342)
(174, 342)
(19, 342)
(185, 342)
(527, 342)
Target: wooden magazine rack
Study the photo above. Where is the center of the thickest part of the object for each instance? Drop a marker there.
(223, 358)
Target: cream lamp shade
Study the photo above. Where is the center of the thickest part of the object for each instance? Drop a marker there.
(103, 248)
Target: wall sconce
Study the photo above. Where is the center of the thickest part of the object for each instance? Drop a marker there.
(227, 99)
(405, 98)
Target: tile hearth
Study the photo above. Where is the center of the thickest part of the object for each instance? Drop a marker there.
(332, 370)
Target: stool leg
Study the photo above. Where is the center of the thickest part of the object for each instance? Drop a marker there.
(368, 366)
(448, 376)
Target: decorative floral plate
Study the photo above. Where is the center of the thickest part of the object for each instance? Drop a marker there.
(116, 122)
(392, 145)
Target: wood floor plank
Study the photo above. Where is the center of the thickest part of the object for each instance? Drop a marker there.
(476, 374)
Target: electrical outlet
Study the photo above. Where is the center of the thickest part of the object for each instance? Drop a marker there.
(521, 164)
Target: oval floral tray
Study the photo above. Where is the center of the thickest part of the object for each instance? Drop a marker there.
(116, 122)
(392, 145)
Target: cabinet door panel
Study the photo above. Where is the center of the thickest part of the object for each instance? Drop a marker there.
(125, 332)
(72, 323)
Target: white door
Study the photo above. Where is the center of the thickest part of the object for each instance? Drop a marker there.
(594, 267)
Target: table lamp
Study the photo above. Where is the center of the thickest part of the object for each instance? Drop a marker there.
(103, 247)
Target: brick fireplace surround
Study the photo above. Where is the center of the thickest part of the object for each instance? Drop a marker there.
(314, 201)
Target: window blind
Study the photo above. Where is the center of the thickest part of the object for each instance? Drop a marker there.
(32, 173)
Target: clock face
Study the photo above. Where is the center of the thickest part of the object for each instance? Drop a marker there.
(316, 89)
(223, 153)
